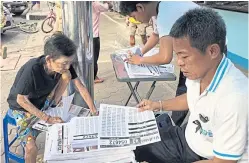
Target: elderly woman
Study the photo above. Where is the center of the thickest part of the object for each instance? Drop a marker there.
(40, 81)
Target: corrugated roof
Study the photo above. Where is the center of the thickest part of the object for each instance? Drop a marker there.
(237, 6)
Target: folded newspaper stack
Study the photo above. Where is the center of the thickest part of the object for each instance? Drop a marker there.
(110, 137)
(143, 69)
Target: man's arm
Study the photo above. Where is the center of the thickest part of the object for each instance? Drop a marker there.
(178, 103)
(151, 42)
(216, 160)
(230, 128)
(85, 94)
(165, 54)
(24, 102)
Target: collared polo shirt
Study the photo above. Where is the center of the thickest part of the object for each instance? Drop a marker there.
(218, 122)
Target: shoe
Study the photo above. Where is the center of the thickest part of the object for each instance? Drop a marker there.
(132, 40)
(98, 80)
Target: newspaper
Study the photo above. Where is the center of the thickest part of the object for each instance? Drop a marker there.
(117, 159)
(143, 69)
(110, 137)
(61, 137)
(166, 68)
(64, 109)
(125, 126)
(65, 104)
(84, 134)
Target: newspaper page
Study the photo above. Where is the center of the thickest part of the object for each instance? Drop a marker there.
(125, 126)
(64, 109)
(66, 103)
(143, 69)
(84, 134)
(78, 140)
(79, 135)
(166, 68)
(104, 159)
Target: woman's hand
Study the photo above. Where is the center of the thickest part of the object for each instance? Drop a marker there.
(66, 75)
(54, 120)
(94, 112)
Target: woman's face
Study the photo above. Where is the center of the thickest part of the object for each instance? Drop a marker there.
(60, 64)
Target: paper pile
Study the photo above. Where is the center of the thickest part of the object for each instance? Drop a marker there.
(110, 137)
(143, 70)
(77, 141)
(65, 110)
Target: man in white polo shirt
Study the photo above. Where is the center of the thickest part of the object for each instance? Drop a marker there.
(217, 98)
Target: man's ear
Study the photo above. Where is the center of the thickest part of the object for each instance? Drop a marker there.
(140, 7)
(213, 51)
(48, 58)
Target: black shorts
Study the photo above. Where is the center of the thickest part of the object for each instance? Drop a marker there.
(172, 148)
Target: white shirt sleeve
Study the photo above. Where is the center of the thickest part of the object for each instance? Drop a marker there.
(169, 12)
(230, 127)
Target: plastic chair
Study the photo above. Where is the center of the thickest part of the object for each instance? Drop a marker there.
(9, 119)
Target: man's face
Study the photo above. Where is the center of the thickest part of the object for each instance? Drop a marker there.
(61, 64)
(192, 62)
(141, 14)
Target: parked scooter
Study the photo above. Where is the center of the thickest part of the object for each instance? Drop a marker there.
(9, 19)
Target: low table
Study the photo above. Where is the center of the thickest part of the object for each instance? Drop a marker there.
(122, 76)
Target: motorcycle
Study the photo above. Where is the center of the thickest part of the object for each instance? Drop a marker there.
(8, 19)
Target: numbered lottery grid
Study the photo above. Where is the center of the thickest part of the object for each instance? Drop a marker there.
(114, 123)
(125, 126)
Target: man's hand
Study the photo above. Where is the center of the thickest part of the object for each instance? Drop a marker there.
(134, 58)
(54, 120)
(66, 76)
(148, 105)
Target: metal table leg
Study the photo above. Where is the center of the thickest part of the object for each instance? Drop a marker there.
(152, 87)
(135, 88)
(134, 91)
(135, 94)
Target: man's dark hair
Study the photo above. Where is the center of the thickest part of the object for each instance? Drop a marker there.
(127, 7)
(59, 45)
(203, 27)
